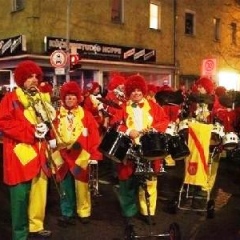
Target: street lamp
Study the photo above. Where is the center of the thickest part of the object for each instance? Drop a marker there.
(68, 40)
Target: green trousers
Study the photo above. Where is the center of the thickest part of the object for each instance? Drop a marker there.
(132, 196)
(19, 195)
(68, 197)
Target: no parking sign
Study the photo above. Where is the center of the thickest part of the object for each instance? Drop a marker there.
(209, 67)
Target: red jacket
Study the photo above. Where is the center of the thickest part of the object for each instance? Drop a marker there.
(19, 139)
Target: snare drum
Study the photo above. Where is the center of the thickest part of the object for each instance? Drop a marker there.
(183, 127)
(230, 141)
(178, 147)
(217, 134)
(171, 129)
(115, 145)
(154, 145)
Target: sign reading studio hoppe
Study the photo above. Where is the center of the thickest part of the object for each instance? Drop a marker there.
(13, 46)
(100, 51)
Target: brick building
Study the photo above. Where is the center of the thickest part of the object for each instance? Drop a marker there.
(161, 39)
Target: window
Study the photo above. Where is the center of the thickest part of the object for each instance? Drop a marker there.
(216, 23)
(17, 5)
(155, 15)
(189, 23)
(117, 11)
(234, 33)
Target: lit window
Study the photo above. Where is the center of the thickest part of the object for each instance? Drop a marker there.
(117, 11)
(216, 23)
(189, 23)
(155, 15)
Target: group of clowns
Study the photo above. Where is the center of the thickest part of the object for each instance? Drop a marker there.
(41, 142)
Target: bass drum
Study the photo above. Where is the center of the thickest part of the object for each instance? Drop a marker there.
(153, 145)
(115, 145)
(178, 148)
(230, 141)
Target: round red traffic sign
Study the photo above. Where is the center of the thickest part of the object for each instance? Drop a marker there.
(58, 59)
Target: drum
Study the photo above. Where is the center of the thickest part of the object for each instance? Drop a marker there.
(178, 148)
(183, 127)
(171, 129)
(153, 145)
(115, 145)
(217, 134)
(230, 141)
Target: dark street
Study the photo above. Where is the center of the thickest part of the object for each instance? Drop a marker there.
(107, 223)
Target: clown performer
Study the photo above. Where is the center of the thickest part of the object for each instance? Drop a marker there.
(96, 107)
(202, 163)
(138, 115)
(24, 153)
(116, 97)
(76, 143)
(115, 92)
(171, 109)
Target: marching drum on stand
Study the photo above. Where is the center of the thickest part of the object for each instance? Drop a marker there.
(153, 145)
(230, 141)
(115, 145)
(177, 146)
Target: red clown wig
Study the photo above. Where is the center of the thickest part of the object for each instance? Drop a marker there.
(92, 86)
(71, 88)
(206, 83)
(115, 80)
(25, 70)
(135, 82)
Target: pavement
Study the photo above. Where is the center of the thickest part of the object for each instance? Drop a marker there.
(108, 224)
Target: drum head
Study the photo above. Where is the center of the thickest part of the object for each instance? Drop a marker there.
(230, 141)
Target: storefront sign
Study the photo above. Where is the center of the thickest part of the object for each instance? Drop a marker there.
(13, 46)
(101, 51)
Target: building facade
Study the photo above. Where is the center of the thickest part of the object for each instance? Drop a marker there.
(160, 39)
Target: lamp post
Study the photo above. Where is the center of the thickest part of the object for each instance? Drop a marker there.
(68, 40)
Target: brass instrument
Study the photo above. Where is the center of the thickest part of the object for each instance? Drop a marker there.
(93, 178)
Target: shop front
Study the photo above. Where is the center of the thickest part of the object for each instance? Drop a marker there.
(97, 61)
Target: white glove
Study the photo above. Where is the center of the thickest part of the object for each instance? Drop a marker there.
(52, 143)
(41, 130)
